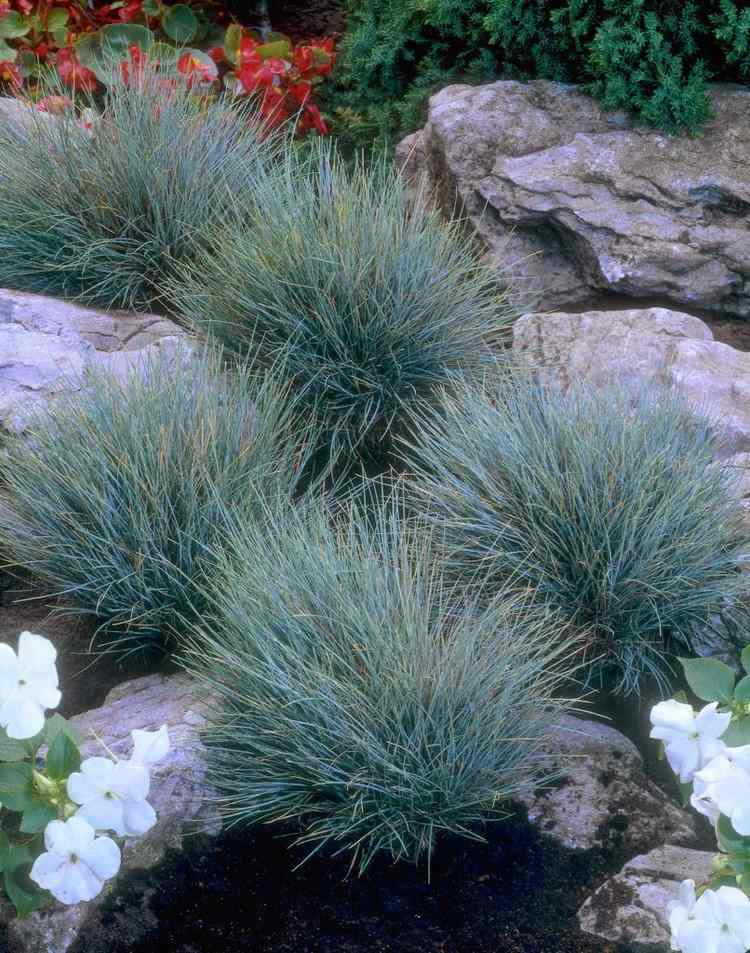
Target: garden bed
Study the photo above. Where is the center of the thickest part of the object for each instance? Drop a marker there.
(517, 893)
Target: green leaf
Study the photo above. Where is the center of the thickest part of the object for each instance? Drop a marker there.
(4, 850)
(117, 37)
(57, 724)
(745, 659)
(279, 49)
(63, 758)
(742, 690)
(232, 39)
(57, 19)
(730, 841)
(180, 23)
(738, 733)
(13, 25)
(7, 53)
(22, 892)
(152, 8)
(10, 749)
(710, 679)
(35, 819)
(17, 786)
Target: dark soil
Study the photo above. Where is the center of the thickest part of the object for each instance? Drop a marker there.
(85, 678)
(518, 893)
(307, 19)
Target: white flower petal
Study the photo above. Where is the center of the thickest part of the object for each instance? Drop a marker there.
(80, 833)
(684, 758)
(103, 814)
(671, 716)
(131, 781)
(82, 788)
(710, 723)
(149, 746)
(26, 720)
(35, 652)
(102, 857)
(47, 867)
(138, 817)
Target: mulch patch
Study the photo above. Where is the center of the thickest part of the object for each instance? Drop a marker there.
(518, 893)
(307, 19)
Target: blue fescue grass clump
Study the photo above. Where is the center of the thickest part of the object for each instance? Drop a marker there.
(609, 505)
(104, 214)
(113, 497)
(374, 301)
(354, 699)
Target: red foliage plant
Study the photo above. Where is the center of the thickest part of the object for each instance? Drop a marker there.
(62, 34)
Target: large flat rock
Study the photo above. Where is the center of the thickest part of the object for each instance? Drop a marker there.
(581, 202)
(642, 347)
(631, 908)
(47, 345)
(602, 797)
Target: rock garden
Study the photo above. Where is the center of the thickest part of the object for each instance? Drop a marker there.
(374, 477)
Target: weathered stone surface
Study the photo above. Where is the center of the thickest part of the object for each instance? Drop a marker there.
(603, 798)
(179, 795)
(642, 346)
(631, 908)
(46, 346)
(580, 202)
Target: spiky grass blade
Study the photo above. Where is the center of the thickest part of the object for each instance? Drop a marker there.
(106, 214)
(354, 699)
(373, 300)
(609, 505)
(113, 496)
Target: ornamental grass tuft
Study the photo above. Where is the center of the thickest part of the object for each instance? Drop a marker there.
(354, 700)
(113, 498)
(373, 300)
(104, 211)
(610, 506)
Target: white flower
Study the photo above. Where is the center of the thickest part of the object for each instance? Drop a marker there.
(680, 911)
(718, 922)
(112, 795)
(149, 746)
(76, 863)
(691, 740)
(28, 685)
(724, 786)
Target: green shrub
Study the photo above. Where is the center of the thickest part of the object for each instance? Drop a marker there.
(355, 700)
(113, 497)
(651, 57)
(609, 505)
(104, 214)
(371, 299)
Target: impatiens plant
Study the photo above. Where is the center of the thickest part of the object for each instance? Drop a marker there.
(710, 753)
(57, 810)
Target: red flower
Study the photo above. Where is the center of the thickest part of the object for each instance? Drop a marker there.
(195, 69)
(301, 91)
(311, 119)
(9, 73)
(130, 11)
(247, 49)
(72, 73)
(54, 104)
(272, 107)
(137, 59)
(217, 54)
(257, 73)
(25, 6)
(41, 50)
